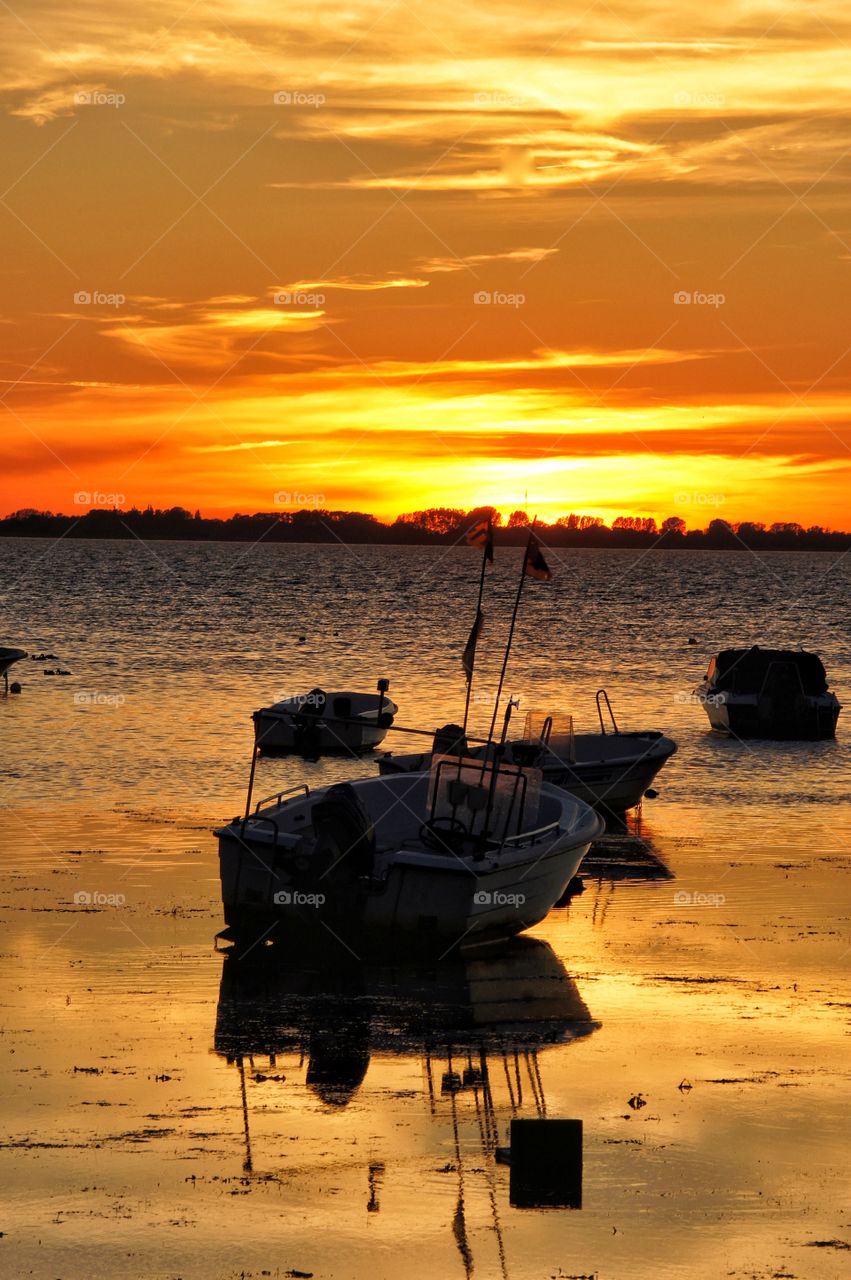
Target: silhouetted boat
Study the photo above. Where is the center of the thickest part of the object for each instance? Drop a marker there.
(769, 693)
(320, 723)
(8, 658)
(459, 857)
(610, 770)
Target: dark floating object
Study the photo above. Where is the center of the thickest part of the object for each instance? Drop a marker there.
(15, 687)
(651, 793)
(684, 1086)
(692, 640)
(546, 1164)
(637, 1101)
(769, 693)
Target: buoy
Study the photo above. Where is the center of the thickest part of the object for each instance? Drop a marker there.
(15, 687)
(692, 640)
(651, 793)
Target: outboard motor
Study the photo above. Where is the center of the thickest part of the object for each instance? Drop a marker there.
(307, 741)
(342, 821)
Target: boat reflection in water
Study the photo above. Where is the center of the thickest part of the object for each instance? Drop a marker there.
(477, 1026)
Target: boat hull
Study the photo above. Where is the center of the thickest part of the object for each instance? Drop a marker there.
(416, 908)
(745, 716)
(605, 789)
(612, 785)
(281, 735)
(8, 658)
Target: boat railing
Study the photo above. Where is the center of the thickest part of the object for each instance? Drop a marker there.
(257, 818)
(529, 837)
(601, 698)
(277, 797)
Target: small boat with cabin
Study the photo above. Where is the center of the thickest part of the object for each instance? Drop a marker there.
(769, 693)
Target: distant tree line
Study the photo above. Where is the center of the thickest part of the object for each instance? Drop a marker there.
(438, 525)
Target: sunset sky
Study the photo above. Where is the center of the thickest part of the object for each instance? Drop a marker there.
(381, 256)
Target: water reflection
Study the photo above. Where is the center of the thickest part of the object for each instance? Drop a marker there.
(519, 1000)
(479, 1028)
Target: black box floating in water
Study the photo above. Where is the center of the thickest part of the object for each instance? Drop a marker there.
(546, 1164)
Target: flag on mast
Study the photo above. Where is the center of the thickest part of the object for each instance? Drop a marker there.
(469, 656)
(480, 534)
(535, 566)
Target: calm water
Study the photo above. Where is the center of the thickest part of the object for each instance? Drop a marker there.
(130, 1147)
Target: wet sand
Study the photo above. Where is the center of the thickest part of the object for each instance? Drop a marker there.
(700, 987)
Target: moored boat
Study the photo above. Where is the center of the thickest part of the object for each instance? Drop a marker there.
(455, 858)
(769, 693)
(610, 770)
(319, 723)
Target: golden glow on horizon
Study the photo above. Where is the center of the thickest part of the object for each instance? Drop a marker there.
(397, 259)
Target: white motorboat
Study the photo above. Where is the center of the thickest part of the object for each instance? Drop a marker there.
(610, 770)
(452, 859)
(320, 723)
(769, 693)
(8, 658)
